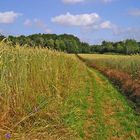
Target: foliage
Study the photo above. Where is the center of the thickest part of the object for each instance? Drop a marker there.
(128, 46)
(71, 44)
(1, 37)
(64, 42)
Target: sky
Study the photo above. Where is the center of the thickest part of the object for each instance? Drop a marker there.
(91, 20)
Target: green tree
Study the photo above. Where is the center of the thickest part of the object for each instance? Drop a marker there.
(62, 45)
(1, 37)
(51, 43)
(119, 48)
(131, 46)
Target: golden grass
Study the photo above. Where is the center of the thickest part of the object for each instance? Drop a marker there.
(34, 84)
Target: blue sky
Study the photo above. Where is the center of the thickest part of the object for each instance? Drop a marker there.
(91, 20)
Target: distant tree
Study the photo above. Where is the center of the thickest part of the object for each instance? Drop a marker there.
(107, 46)
(51, 43)
(85, 47)
(1, 37)
(57, 44)
(62, 45)
(119, 48)
(72, 44)
(131, 46)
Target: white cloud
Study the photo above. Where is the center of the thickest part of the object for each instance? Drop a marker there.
(72, 1)
(8, 17)
(134, 12)
(87, 22)
(101, 25)
(93, 22)
(37, 23)
(76, 20)
(106, 25)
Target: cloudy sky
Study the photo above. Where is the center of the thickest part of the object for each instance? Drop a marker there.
(91, 20)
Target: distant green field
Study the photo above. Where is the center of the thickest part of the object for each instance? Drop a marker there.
(125, 63)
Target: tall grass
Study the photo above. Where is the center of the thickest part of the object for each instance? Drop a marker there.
(128, 64)
(34, 85)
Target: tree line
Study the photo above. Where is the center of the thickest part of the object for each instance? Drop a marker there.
(71, 44)
(129, 46)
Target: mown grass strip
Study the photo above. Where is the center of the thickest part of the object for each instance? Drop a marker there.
(101, 132)
(116, 117)
(125, 121)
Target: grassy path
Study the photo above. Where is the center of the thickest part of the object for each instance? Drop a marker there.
(107, 114)
(115, 120)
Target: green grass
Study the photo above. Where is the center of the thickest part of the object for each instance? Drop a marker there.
(125, 63)
(121, 122)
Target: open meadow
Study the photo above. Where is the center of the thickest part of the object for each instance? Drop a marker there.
(48, 95)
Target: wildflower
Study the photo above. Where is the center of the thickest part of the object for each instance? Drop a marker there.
(8, 136)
